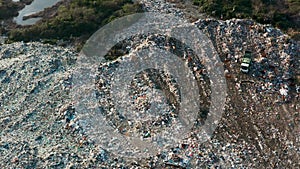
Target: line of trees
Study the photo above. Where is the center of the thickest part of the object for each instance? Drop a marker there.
(283, 14)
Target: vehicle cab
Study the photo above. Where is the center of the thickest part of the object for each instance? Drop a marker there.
(246, 61)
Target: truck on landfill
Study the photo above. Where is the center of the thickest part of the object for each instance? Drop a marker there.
(246, 61)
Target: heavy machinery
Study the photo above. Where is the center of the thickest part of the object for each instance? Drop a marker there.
(246, 61)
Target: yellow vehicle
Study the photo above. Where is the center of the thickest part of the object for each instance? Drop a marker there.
(246, 61)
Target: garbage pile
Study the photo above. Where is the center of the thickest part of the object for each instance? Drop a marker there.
(275, 55)
(252, 97)
(260, 126)
(150, 110)
(161, 6)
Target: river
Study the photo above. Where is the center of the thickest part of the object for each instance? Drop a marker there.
(34, 7)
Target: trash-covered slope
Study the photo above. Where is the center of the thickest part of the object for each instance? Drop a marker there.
(35, 83)
(259, 129)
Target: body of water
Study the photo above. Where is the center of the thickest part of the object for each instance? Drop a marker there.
(34, 7)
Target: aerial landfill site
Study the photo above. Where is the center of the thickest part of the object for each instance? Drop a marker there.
(259, 128)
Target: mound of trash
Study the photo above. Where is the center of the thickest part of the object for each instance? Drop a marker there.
(259, 129)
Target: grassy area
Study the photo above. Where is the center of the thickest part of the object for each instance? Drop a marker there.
(75, 21)
(283, 14)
